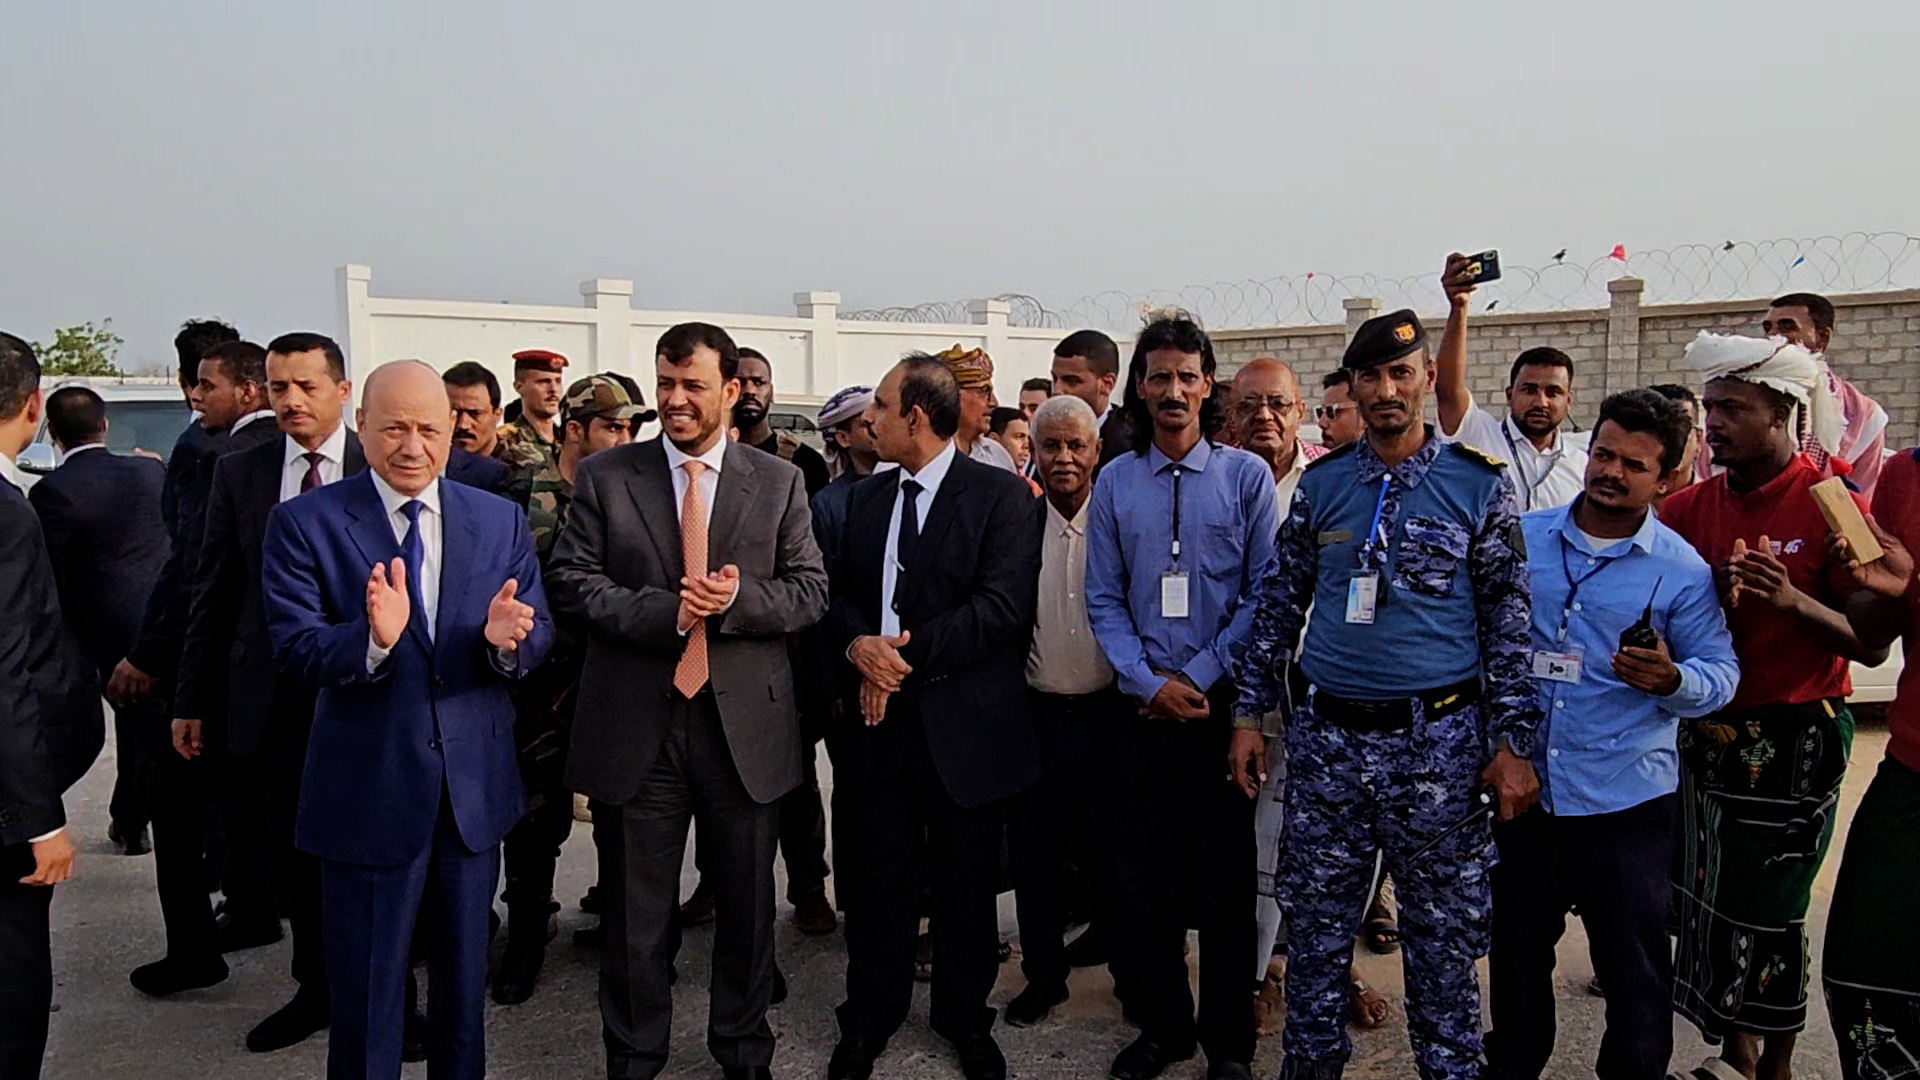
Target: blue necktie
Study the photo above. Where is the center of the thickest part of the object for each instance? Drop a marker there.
(413, 552)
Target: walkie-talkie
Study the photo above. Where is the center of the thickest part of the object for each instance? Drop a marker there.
(1641, 634)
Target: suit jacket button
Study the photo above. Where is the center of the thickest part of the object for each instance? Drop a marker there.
(433, 744)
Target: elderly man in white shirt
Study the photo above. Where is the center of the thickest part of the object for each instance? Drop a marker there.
(1548, 466)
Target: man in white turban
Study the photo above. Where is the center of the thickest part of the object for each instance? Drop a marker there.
(1760, 779)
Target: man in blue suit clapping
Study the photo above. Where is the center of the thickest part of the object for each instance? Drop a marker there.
(409, 604)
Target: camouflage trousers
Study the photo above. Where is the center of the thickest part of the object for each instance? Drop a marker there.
(1351, 796)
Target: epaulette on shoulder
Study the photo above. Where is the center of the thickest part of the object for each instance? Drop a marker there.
(1337, 451)
(1479, 455)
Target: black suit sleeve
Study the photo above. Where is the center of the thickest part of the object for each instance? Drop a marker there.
(30, 631)
(796, 596)
(57, 526)
(813, 467)
(845, 621)
(163, 627)
(1005, 588)
(215, 591)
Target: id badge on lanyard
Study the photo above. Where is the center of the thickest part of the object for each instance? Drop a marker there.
(1363, 589)
(1174, 600)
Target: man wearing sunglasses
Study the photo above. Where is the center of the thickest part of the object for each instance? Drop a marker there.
(1337, 414)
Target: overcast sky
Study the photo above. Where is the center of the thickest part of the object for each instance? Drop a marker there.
(198, 158)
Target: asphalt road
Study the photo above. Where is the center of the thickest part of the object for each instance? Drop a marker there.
(107, 921)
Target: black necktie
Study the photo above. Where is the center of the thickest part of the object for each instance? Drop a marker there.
(909, 533)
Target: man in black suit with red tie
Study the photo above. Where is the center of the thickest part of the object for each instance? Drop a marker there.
(50, 730)
(932, 604)
(230, 698)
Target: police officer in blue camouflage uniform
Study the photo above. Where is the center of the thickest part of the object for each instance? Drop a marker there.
(1411, 696)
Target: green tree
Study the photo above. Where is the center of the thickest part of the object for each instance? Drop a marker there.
(81, 350)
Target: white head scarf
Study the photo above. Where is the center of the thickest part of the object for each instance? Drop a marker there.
(1778, 365)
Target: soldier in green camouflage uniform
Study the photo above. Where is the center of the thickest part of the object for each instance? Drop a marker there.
(596, 414)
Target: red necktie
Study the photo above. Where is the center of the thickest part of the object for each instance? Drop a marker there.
(691, 674)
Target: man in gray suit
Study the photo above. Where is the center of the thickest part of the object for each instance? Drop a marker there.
(686, 562)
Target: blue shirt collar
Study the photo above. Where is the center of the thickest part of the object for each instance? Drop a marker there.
(1409, 472)
(1564, 525)
(1195, 461)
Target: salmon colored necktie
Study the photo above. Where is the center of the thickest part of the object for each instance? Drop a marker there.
(691, 675)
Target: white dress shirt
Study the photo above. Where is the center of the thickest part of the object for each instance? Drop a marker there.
(1542, 480)
(257, 414)
(929, 479)
(66, 455)
(11, 473)
(333, 455)
(709, 490)
(432, 553)
(987, 452)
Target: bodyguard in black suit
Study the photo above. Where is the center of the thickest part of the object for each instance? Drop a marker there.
(230, 396)
(932, 603)
(230, 697)
(101, 516)
(50, 730)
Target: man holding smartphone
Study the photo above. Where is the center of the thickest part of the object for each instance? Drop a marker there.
(1548, 466)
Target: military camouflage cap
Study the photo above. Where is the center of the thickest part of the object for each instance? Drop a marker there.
(603, 396)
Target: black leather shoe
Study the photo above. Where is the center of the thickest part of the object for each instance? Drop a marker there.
(519, 969)
(1229, 1070)
(698, 910)
(590, 903)
(587, 937)
(853, 1058)
(170, 976)
(779, 988)
(1090, 949)
(130, 841)
(980, 1058)
(748, 1072)
(1032, 1005)
(236, 936)
(1147, 1058)
(297, 1021)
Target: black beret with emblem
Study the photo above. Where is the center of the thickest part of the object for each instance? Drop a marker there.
(1383, 339)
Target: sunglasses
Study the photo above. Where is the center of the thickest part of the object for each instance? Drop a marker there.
(1328, 412)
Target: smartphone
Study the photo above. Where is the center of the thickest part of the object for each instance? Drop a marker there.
(1483, 267)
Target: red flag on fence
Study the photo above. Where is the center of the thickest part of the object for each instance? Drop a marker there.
(1619, 252)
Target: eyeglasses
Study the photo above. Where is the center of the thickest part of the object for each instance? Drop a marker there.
(1252, 406)
(1328, 412)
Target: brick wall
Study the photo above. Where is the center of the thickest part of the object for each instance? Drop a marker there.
(1876, 346)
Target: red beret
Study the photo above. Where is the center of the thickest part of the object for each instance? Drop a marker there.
(539, 360)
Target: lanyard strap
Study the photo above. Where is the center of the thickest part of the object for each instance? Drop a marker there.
(1373, 542)
(1528, 485)
(1573, 584)
(1176, 516)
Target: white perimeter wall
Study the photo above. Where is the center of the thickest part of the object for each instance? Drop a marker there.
(814, 352)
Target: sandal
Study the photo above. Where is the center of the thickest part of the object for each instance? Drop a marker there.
(1369, 1009)
(1270, 1002)
(1381, 931)
(923, 958)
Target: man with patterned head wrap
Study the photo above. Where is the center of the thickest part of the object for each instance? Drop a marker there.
(1760, 779)
(973, 370)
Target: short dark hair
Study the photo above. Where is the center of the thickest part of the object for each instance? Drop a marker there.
(1675, 392)
(1045, 386)
(19, 374)
(473, 373)
(748, 350)
(1654, 413)
(76, 416)
(240, 361)
(1097, 349)
(304, 341)
(1819, 308)
(1182, 335)
(1337, 377)
(197, 338)
(998, 419)
(1539, 356)
(679, 342)
(927, 384)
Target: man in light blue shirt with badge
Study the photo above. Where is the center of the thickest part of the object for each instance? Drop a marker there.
(1628, 639)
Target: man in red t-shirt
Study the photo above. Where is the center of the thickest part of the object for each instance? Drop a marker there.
(1871, 969)
(1760, 780)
